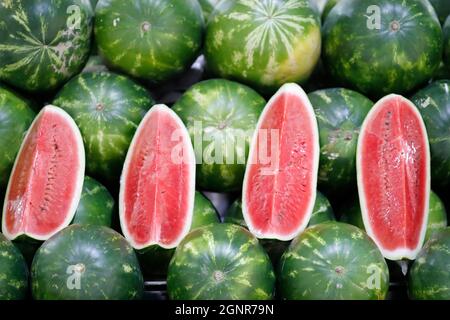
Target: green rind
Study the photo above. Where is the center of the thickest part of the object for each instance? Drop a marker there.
(433, 103)
(333, 261)
(13, 272)
(442, 8)
(220, 110)
(429, 276)
(220, 262)
(16, 116)
(43, 43)
(108, 109)
(170, 44)
(263, 43)
(340, 113)
(111, 268)
(96, 205)
(377, 61)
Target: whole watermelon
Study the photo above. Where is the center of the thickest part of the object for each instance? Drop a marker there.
(221, 116)
(43, 43)
(447, 44)
(96, 205)
(333, 261)
(340, 114)
(13, 272)
(434, 105)
(442, 8)
(155, 260)
(16, 116)
(429, 276)
(108, 109)
(149, 39)
(220, 262)
(86, 263)
(371, 45)
(264, 43)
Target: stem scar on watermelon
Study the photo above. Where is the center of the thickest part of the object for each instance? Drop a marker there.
(157, 188)
(279, 195)
(45, 185)
(393, 169)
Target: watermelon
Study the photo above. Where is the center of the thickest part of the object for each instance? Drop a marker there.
(96, 205)
(340, 114)
(221, 116)
(447, 43)
(155, 260)
(16, 116)
(393, 167)
(107, 108)
(370, 45)
(442, 8)
(328, 6)
(220, 262)
(47, 178)
(208, 7)
(434, 105)
(333, 261)
(95, 64)
(280, 181)
(264, 43)
(13, 272)
(429, 277)
(86, 263)
(43, 43)
(149, 39)
(157, 188)
(437, 215)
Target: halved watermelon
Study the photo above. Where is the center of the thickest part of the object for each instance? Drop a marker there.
(281, 178)
(157, 188)
(45, 185)
(393, 167)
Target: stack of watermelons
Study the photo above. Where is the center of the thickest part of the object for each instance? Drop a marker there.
(236, 149)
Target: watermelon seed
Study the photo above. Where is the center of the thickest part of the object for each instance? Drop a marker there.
(218, 276)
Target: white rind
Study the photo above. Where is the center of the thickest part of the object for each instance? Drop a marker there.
(294, 89)
(400, 253)
(79, 181)
(192, 161)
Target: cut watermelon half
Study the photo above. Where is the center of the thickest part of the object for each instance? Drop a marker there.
(45, 185)
(393, 166)
(157, 189)
(280, 182)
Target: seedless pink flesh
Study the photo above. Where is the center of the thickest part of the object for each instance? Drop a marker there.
(158, 182)
(393, 162)
(46, 182)
(281, 178)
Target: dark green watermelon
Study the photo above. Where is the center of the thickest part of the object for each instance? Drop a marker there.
(222, 115)
(220, 262)
(155, 260)
(43, 42)
(13, 272)
(96, 205)
(264, 43)
(328, 6)
(442, 8)
(86, 263)
(429, 276)
(108, 109)
(340, 114)
(333, 261)
(447, 44)
(381, 56)
(152, 39)
(16, 116)
(434, 105)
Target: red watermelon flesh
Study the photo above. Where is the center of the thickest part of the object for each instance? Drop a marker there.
(46, 182)
(393, 163)
(158, 182)
(281, 178)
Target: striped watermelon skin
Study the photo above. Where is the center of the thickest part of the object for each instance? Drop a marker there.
(333, 261)
(264, 43)
(16, 116)
(13, 272)
(220, 262)
(43, 43)
(149, 39)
